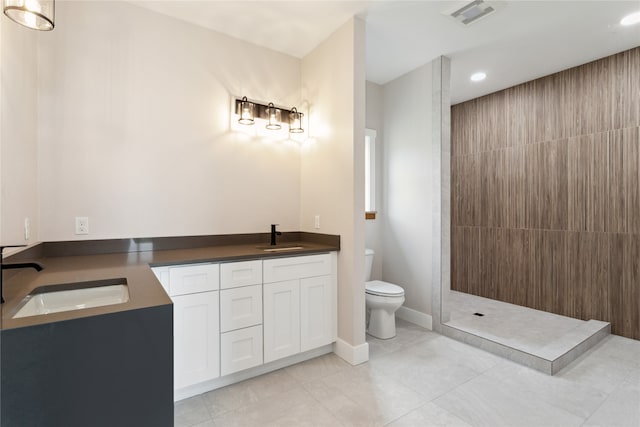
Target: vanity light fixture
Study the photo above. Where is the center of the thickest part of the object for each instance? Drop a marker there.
(632, 18)
(274, 117)
(295, 121)
(34, 14)
(246, 111)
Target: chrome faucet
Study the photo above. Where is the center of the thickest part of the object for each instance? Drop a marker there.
(34, 265)
(274, 233)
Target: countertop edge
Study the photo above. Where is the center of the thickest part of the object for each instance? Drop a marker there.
(145, 244)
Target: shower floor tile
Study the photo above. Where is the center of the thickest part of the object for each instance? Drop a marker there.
(513, 325)
(553, 340)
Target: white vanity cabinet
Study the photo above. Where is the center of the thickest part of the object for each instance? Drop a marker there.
(193, 288)
(232, 318)
(299, 304)
(240, 316)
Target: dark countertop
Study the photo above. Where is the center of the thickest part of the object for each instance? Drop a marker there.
(144, 288)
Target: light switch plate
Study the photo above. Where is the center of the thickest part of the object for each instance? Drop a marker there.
(27, 229)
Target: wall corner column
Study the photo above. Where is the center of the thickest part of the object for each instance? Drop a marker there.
(442, 136)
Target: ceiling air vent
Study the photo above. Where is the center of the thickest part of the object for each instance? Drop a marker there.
(468, 13)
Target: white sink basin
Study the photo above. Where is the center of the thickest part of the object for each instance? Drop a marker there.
(74, 296)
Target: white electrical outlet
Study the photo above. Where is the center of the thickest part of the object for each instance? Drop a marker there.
(82, 225)
(27, 229)
(317, 222)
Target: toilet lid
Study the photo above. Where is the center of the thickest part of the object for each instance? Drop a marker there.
(378, 287)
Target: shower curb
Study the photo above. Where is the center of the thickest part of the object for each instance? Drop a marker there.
(553, 357)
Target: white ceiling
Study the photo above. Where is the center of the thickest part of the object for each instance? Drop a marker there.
(523, 40)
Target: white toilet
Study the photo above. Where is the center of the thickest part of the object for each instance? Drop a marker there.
(382, 300)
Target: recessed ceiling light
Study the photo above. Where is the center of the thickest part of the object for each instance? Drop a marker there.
(632, 18)
(478, 77)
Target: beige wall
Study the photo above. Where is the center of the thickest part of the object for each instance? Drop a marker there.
(411, 188)
(332, 168)
(18, 133)
(134, 116)
(133, 132)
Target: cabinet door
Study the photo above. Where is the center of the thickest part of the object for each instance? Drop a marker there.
(316, 312)
(281, 319)
(240, 307)
(241, 349)
(196, 338)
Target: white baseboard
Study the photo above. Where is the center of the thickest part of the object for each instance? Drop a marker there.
(354, 355)
(415, 317)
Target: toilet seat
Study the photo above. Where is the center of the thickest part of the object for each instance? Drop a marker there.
(384, 289)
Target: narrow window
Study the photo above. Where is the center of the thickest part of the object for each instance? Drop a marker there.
(370, 174)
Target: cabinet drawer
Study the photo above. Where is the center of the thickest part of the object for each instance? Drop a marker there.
(240, 307)
(190, 279)
(245, 273)
(241, 349)
(281, 269)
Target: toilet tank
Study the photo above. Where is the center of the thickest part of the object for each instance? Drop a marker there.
(368, 263)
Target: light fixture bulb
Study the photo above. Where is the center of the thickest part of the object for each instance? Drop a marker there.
(33, 6)
(274, 117)
(632, 18)
(478, 77)
(30, 19)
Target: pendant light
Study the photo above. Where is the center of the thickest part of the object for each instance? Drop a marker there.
(246, 112)
(34, 14)
(295, 121)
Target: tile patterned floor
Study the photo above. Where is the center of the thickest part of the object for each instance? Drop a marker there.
(421, 378)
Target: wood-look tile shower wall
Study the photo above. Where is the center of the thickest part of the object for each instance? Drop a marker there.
(546, 193)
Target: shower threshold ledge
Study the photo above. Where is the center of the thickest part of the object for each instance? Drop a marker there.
(543, 341)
